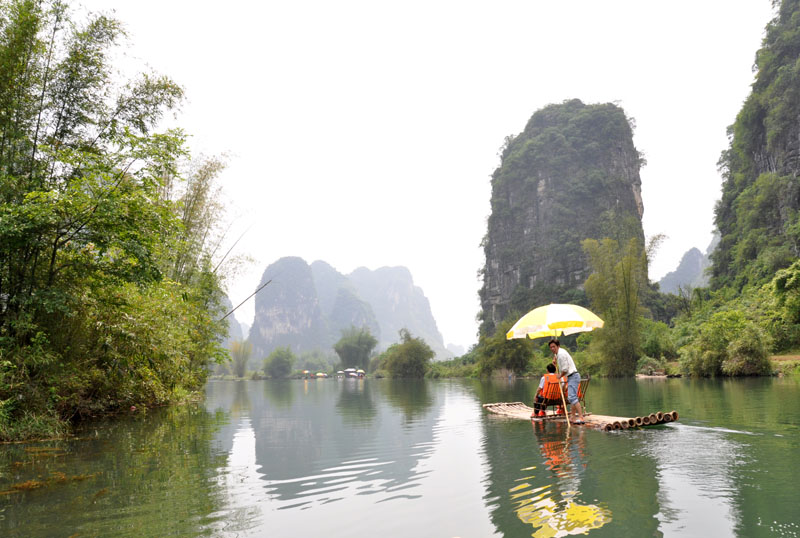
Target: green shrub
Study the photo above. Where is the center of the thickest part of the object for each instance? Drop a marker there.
(647, 365)
(409, 358)
(279, 363)
(657, 341)
(748, 354)
(727, 344)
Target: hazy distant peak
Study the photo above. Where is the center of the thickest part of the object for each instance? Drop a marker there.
(691, 255)
(690, 271)
(396, 272)
(319, 302)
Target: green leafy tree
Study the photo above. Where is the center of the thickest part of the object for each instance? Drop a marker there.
(279, 363)
(355, 347)
(786, 287)
(785, 324)
(91, 318)
(657, 341)
(727, 343)
(614, 288)
(748, 353)
(495, 352)
(314, 361)
(407, 359)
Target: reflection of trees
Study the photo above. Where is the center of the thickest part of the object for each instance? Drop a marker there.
(241, 400)
(355, 404)
(411, 396)
(279, 392)
(117, 476)
(505, 390)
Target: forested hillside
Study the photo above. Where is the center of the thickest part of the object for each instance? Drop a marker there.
(752, 308)
(758, 216)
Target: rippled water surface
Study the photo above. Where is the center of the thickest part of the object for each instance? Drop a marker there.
(347, 458)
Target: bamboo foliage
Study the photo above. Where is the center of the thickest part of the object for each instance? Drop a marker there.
(615, 289)
(107, 297)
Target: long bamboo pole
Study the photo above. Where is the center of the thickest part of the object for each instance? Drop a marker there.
(564, 403)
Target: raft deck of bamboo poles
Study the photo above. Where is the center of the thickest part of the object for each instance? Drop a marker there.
(601, 422)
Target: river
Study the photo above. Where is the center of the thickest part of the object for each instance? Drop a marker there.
(351, 458)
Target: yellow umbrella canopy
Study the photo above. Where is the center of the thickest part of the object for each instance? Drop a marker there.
(554, 320)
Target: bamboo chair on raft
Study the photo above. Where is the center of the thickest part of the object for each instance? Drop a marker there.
(552, 395)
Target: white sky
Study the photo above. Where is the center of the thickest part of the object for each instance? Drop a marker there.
(365, 133)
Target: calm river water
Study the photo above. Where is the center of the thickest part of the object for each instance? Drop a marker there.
(353, 458)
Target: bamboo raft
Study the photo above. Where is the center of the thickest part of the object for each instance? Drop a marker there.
(601, 422)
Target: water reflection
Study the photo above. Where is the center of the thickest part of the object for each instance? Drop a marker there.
(695, 476)
(117, 478)
(412, 397)
(239, 481)
(380, 447)
(553, 509)
(307, 458)
(294, 452)
(355, 402)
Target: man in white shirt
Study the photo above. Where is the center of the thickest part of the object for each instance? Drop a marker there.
(566, 367)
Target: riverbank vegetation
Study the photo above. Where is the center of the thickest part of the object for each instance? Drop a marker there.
(109, 299)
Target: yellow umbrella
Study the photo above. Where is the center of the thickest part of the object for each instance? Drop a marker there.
(554, 320)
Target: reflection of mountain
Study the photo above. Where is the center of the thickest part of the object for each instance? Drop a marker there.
(361, 439)
(307, 307)
(391, 452)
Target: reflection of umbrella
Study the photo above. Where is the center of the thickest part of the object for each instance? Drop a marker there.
(554, 320)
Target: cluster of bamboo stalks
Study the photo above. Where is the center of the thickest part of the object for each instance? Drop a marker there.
(647, 420)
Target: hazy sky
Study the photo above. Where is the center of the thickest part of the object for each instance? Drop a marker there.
(365, 133)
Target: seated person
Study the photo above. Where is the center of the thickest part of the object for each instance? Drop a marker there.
(549, 377)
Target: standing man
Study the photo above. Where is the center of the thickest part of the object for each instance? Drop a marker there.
(566, 367)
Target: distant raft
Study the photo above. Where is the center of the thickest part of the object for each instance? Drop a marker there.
(601, 422)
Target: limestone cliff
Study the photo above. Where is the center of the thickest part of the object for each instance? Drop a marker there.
(287, 311)
(307, 307)
(572, 174)
(340, 302)
(398, 304)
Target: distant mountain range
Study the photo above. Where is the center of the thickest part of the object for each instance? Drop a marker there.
(691, 271)
(306, 307)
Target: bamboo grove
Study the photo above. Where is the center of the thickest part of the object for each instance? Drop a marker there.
(108, 295)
